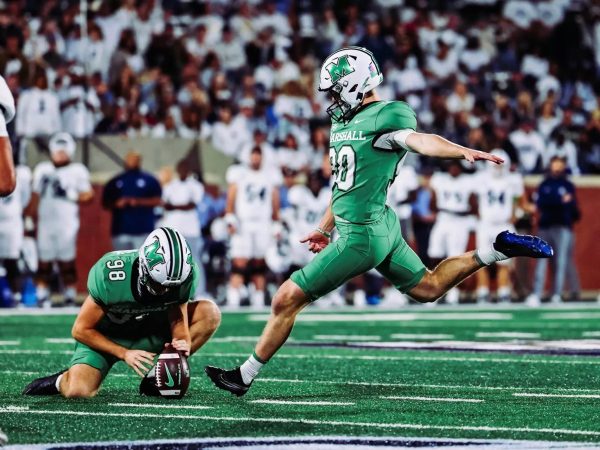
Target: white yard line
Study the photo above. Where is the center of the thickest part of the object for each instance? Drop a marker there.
(300, 402)
(570, 315)
(15, 342)
(530, 394)
(507, 334)
(35, 352)
(591, 334)
(356, 383)
(59, 340)
(157, 405)
(235, 339)
(346, 337)
(421, 336)
(433, 399)
(332, 423)
(391, 317)
(524, 359)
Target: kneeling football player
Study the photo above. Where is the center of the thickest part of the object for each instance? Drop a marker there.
(138, 301)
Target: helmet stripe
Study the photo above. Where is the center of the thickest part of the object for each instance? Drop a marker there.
(181, 255)
(170, 271)
(176, 255)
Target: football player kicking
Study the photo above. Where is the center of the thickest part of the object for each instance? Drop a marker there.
(138, 301)
(369, 139)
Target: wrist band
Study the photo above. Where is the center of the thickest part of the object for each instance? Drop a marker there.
(324, 233)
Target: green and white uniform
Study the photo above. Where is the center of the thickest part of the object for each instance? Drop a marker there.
(130, 321)
(364, 161)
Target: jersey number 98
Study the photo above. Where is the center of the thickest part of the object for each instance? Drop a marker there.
(115, 274)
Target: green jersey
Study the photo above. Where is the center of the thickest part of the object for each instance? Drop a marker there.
(363, 164)
(112, 283)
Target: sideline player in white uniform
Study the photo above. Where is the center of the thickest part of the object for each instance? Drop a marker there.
(498, 193)
(308, 204)
(59, 186)
(181, 197)
(401, 194)
(454, 201)
(12, 229)
(252, 208)
(7, 167)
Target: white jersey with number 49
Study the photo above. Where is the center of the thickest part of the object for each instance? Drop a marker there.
(59, 189)
(496, 197)
(254, 197)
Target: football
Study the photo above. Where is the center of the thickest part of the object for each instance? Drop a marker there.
(172, 373)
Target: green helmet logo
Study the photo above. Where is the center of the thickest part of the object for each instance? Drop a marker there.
(338, 70)
(152, 256)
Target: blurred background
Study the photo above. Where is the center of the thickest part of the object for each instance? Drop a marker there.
(170, 107)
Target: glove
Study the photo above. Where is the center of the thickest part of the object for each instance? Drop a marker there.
(7, 102)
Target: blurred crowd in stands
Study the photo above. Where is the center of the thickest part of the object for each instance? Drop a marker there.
(512, 74)
(489, 74)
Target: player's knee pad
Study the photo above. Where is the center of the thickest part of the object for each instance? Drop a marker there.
(68, 271)
(44, 272)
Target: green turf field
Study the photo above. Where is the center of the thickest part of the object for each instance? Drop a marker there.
(316, 387)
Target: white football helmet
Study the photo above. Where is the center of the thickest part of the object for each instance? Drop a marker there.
(348, 74)
(62, 141)
(165, 261)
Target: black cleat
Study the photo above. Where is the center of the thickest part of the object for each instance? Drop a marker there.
(148, 386)
(228, 380)
(512, 244)
(43, 386)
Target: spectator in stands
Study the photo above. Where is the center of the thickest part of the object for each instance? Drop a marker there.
(132, 197)
(181, 197)
(38, 110)
(564, 148)
(79, 105)
(228, 136)
(529, 145)
(231, 54)
(558, 211)
(460, 100)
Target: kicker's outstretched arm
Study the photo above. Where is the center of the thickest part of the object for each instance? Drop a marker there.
(438, 147)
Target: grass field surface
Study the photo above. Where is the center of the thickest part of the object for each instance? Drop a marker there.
(470, 373)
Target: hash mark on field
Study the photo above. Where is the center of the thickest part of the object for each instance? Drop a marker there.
(300, 402)
(157, 405)
(507, 334)
(346, 337)
(35, 352)
(59, 340)
(433, 399)
(529, 394)
(421, 336)
(389, 317)
(524, 359)
(412, 426)
(16, 342)
(570, 315)
(591, 334)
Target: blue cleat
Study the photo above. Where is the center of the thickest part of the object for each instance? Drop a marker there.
(512, 244)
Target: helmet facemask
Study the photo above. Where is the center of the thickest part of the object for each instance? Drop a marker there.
(340, 110)
(147, 285)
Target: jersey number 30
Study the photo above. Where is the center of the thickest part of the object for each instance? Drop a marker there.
(343, 166)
